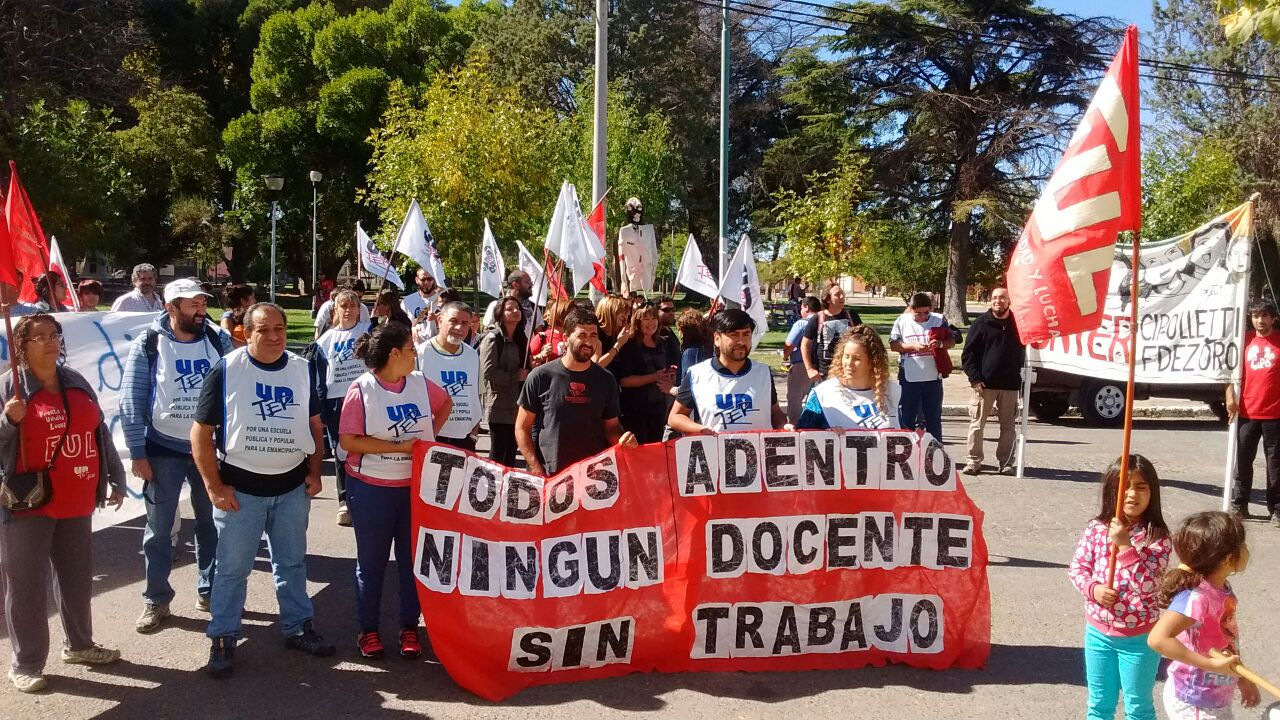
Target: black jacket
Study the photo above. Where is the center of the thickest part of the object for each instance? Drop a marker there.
(993, 354)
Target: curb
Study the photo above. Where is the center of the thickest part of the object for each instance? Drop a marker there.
(1154, 411)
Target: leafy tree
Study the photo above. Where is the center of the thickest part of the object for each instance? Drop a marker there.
(321, 79)
(1185, 184)
(68, 158)
(823, 228)
(968, 116)
(903, 257)
(172, 151)
(1245, 18)
(1243, 121)
(468, 149)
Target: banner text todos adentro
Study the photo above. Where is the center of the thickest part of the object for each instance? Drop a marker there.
(745, 551)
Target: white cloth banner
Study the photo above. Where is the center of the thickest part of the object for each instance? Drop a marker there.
(414, 239)
(70, 299)
(742, 286)
(96, 345)
(531, 266)
(1192, 292)
(571, 239)
(693, 273)
(492, 269)
(372, 260)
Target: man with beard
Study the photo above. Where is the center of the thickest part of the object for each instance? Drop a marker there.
(993, 359)
(728, 392)
(420, 306)
(573, 401)
(448, 361)
(520, 287)
(143, 297)
(163, 377)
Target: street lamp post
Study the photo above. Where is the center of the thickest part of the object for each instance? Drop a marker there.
(274, 184)
(316, 177)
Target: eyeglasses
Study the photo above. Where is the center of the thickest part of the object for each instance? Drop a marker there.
(410, 348)
(50, 338)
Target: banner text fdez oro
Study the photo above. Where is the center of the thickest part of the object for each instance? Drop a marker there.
(745, 551)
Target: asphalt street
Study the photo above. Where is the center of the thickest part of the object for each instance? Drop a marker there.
(1035, 670)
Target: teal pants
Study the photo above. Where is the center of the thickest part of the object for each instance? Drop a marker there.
(1116, 664)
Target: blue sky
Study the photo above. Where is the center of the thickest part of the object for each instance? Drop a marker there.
(1131, 11)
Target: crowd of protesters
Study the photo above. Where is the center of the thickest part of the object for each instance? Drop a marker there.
(226, 411)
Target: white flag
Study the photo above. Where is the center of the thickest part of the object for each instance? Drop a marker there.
(492, 269)
(693, 273)
(742, 285)
(57, 264)
(416, 241)
(372, 261)
(534, 268)
(571, 239)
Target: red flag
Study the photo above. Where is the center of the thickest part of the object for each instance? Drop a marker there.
(596, 221)
(552, 274)
(1061, 265)
(30, 251)
(7, 275)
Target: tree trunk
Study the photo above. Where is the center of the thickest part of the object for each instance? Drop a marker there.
(958, 248)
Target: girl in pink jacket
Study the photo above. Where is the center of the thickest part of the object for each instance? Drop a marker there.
(1117, 619)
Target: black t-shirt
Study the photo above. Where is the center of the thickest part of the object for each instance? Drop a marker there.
(823, 339)
(569, 409)
(210, 411)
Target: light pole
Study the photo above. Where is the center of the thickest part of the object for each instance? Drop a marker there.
(316, 177)
(274, 184)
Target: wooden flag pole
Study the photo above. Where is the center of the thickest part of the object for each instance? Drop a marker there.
(1249, 675)
(1122, 487)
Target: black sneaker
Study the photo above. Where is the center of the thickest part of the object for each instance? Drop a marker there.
(309, 642)
(221, 656)
(1240, 512)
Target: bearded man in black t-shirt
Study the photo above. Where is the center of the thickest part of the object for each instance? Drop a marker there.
(573, 402)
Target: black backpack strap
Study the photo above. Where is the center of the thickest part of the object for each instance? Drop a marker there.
(214, 337)
(150, 341)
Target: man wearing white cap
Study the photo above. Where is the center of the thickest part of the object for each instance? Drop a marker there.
(163, 376)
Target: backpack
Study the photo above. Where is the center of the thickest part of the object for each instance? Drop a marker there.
(151, 340)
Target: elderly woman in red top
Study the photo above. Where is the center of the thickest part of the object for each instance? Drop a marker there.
(54, 422)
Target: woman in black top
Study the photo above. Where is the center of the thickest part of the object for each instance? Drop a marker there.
(504, 364)
(646, 371)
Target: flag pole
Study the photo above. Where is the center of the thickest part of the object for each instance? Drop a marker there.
(1237, 375)
(1028, 377)
(1122, 486)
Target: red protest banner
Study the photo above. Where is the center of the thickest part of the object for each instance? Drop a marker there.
(745, 551)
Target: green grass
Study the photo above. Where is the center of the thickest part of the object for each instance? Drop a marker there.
(769, 351)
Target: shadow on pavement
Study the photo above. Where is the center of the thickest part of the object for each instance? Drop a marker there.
(1017, 562)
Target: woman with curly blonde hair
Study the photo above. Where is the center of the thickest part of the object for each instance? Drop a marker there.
(859, 394)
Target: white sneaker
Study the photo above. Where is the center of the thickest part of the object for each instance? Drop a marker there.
(92, 655)
(344, 517)
(27, 682)
(151, 619)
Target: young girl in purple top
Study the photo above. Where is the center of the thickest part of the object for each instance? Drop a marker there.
(1201, 618)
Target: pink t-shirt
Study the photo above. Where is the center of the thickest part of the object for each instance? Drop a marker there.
(352, 422)
(1214, 613)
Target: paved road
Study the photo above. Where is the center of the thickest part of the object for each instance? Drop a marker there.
(1035, 669)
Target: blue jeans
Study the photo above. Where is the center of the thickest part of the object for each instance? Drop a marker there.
(1113, 664)
(169, 473)
(284, 520)
(921, 402)
(381, 519)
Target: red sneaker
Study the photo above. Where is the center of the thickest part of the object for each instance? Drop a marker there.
(410, 645)
(370, 644)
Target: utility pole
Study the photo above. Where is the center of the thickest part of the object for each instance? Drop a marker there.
(724, 137)
(599, 144)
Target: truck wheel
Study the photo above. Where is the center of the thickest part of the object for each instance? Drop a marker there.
(1048, 407)
(1102, 403)
(1219, 408)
